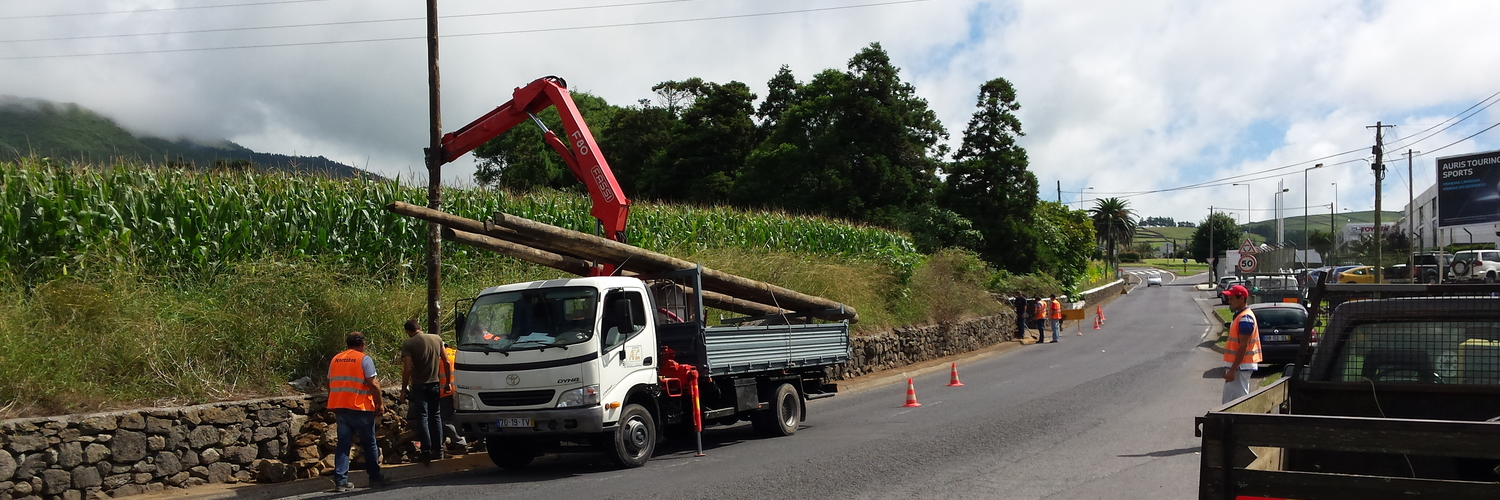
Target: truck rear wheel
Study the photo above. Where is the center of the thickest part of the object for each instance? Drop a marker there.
(635, 438)
(508, 455)
(782, 417)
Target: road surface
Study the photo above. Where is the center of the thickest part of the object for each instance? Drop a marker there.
(1108, 414)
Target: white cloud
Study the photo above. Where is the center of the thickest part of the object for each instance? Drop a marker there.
(1122, 96)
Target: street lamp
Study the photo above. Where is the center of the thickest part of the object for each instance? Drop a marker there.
(1304, 212)
(1280, 208)
(1080, 196)
(1247, 200)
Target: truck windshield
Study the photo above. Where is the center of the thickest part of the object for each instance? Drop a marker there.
(1435, 352)
(530, 319)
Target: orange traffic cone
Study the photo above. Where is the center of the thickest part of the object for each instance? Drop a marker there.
(1096, 322)
(953, 376)
(1099, 311)
(911, 395)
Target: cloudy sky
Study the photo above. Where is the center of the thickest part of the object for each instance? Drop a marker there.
(1136, 99)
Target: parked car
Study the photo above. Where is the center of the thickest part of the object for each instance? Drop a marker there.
(1333, 277)
(1476, 265)
(1153, 280)
(1282, 327)
(1314, 274)
(1224, 283)
(1361, 274)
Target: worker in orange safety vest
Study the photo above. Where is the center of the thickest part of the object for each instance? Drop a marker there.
(1054, 314)
(1039, 317)
(1242, 352)
(446, 389)
(355, 398)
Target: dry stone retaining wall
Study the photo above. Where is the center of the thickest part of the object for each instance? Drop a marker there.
(117, 454)
(914, 344)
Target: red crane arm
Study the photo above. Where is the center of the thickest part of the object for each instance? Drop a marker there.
(611, 207)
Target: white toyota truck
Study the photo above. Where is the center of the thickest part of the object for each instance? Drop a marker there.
(611, 364)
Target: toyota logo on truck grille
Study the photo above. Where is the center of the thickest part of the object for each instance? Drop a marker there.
(512, 379)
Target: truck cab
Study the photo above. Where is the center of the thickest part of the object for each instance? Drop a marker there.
(608, 364)
(558, 357)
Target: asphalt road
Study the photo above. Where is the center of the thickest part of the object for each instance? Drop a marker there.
(1108, 414)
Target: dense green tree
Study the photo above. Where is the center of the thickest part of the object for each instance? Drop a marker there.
(1225, 233)
(934, 228)
(1065, 241)
(857, 144)
(1114, 223)
(710, 137)
(1322, 242)
(637, 135)
(781, 93)
(989, 184)
(519, 158)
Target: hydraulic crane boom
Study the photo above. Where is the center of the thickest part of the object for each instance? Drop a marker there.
(611, 207)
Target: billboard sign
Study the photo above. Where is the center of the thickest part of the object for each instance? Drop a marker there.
(1469, 189)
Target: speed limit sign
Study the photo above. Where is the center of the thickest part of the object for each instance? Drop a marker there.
(1247, 263)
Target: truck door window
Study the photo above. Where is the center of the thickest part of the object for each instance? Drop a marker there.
(616, 331)
(1435, 352)
(530, 319)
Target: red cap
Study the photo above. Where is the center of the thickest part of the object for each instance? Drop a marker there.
(1237, 291)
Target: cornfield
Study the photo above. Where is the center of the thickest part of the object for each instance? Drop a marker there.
(185, 221)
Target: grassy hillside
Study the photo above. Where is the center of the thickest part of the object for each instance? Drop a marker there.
(1291, 225)
(42, 128)
(131, 285)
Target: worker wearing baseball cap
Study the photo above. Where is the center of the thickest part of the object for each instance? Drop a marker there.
(1242, 351)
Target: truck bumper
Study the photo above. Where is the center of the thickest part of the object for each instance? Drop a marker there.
(589, 419)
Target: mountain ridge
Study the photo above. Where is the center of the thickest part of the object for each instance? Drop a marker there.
(31, 126)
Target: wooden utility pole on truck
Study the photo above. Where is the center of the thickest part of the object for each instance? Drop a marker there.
(434, 174)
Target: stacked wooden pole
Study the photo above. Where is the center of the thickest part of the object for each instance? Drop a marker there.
(575, 252)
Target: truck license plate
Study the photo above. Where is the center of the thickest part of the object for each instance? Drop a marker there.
(514, 422)
(1278, 338)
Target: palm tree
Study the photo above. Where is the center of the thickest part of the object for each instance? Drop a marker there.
(1114, 224)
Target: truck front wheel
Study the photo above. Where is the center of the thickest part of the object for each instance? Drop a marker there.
(635, 438)
(782, 417)
(508, 455)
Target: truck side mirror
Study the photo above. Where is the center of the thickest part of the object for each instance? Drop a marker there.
(459, 321)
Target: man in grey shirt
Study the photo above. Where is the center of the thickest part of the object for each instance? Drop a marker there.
(421, 354)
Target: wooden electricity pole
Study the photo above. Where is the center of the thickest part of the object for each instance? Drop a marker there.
(434, 157)
(1379, 167)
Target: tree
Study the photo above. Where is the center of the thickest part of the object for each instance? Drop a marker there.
(1158, 222)
(1065, 240)
(710, 137)
(933, 229)
(1322, 242)
(988, 181)
(1225, 234)
(857, 143)
(1114, 224)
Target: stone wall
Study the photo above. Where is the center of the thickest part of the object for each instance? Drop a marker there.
(1102, 295)
(125, 453)
(914, 344)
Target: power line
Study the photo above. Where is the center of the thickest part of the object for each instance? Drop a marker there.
(342, 23)
(161, 9)
(465, 35)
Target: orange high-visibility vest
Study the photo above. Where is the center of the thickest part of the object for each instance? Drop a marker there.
(445, 373)
(1039, 312)
(346, 383)
(1056, 308)
(1252, 353)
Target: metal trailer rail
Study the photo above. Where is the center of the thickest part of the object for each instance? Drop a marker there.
(1260, 445)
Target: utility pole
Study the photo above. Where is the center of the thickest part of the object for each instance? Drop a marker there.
(1379, 167)
(434, 159)
(1410, 223)
(1213, 268)
(1059, 195)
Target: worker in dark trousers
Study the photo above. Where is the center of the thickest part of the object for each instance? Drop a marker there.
(1019, 302)
(421, 361)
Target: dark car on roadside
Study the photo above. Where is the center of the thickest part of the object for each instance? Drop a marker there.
(1282, 327)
